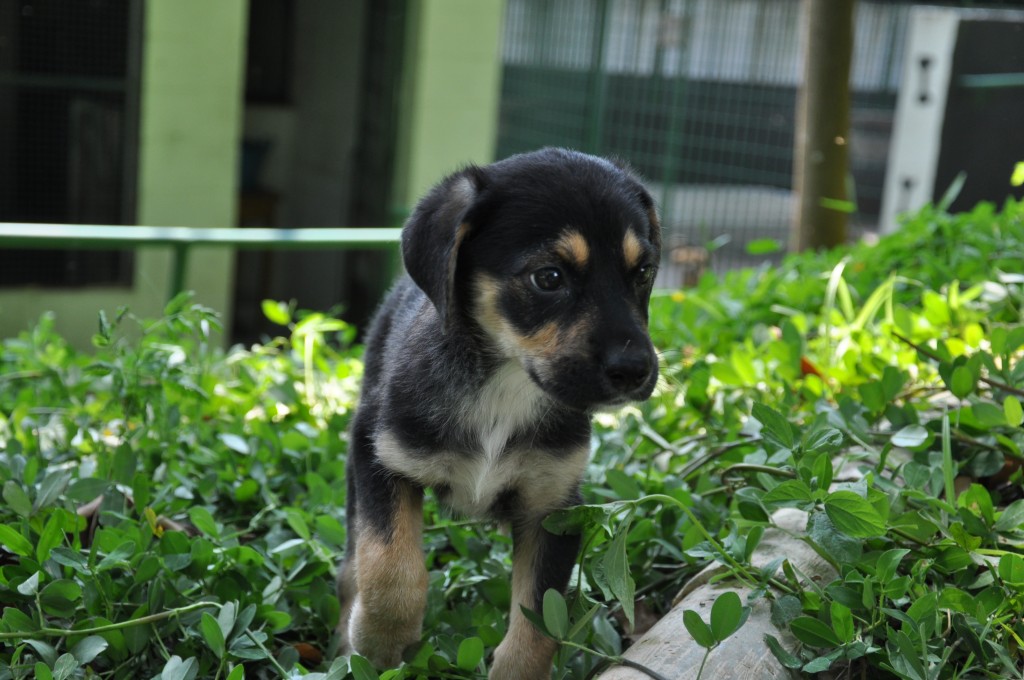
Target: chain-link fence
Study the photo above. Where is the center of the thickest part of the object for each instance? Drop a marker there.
(699, 96)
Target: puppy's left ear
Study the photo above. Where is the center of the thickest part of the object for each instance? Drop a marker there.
(636, 187)
(434, 232)
(654, 235)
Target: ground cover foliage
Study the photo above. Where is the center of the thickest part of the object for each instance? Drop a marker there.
(171, 509)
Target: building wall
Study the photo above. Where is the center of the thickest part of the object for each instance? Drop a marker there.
(451, 91)
(191, 83)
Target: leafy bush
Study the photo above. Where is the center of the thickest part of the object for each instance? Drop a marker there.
(172, 509)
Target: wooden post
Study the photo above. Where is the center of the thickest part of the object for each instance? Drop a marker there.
(822, 126)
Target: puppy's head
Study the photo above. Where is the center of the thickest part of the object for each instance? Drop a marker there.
(550, 258)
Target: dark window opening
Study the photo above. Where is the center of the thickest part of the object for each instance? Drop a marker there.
(68, 117)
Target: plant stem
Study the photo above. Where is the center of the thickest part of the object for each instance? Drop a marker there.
(935, 357)
(767, 469)
(707, 653)
(695, 465)
(142, 620)
(622, 661)
(740, 570)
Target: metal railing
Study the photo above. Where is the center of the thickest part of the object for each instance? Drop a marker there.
(182, 239)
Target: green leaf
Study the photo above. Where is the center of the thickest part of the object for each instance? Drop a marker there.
(556, 615)
(58, 597)
(853, 515)
(887, 563)
(952, 191)
(782, 654)
(826, 441)
(362, 669)
(14, 541)
(893, 380)
(471, 651)
(905, 658)
(276, 312)
(774, 427)
(42, 671)
(576, 519)
(203, 520)
(65, 667)
(226, 619)
(763, 246)
(86, 489)
(923, 610)
(910, 437)
(813, 632)
(30, 586)
(16, 621)
(616, 571)
(961, 382)
(1012, 517)
(16, 498)
(624, 486)
(235, 442)
(176, 669)
(212, 634)
(956, 600)
(872, 395)
(1017, 178)
(789, 491)
(297, 521)
(1011, 569)
(727, 615)
(118, 557)
(842, 622)
(50, 489)
(838, 204)
(822, 470)
(330, 530)
(822, 663)
(1013, 411)
(700, 631)
(833, 543)
(89, 648)
(238, 672)
(51, 537)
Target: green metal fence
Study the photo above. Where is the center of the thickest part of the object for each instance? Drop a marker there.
(181, 240)
(699, 96)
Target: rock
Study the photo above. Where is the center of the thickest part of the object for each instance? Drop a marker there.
(668, 649)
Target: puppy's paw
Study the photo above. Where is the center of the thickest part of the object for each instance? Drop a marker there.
(383, 639)
(514, 660)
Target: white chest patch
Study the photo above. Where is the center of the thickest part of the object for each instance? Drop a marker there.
(507, 404)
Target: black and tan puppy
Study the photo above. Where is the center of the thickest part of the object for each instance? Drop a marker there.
(525, 310)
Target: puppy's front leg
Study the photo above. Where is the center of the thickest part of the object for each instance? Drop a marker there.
(390, 575)
(540, 560)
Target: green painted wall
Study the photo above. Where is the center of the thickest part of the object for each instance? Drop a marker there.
(190, 118)
(451, 87)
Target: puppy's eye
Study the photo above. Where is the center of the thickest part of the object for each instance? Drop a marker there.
(645, 274)
(547, 279)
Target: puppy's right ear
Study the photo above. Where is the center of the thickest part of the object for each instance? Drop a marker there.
(434, 232)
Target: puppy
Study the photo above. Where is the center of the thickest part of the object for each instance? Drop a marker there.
(524, 310)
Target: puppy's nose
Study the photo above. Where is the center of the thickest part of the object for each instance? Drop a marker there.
(628, 369)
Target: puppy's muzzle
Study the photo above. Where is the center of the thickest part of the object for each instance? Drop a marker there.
(629, 370)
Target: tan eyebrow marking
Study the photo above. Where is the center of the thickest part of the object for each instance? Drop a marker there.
(632, 250)
(572, 247)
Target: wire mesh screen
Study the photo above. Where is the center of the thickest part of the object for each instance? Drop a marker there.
(66, 114)
(700, 97)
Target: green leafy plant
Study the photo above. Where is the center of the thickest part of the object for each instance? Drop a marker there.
(175, 509)
(727, 615)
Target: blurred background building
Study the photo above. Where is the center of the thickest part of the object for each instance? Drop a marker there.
(318, 113)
